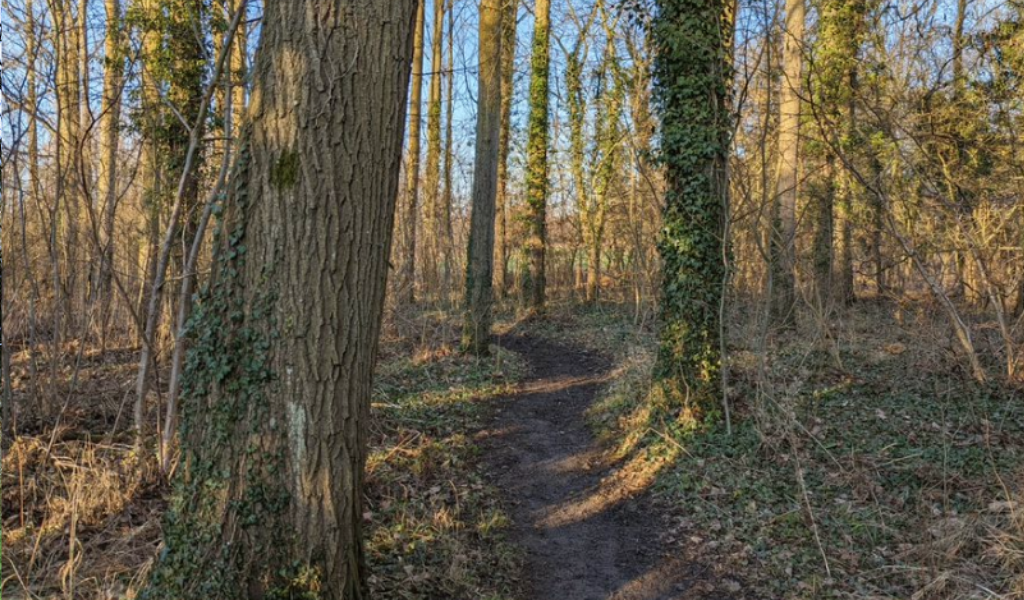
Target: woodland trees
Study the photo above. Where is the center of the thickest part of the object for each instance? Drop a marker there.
(834, 158)
(267, 502)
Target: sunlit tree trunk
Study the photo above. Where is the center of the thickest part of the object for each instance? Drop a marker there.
(784, 238)
(577, 114)
(537, 156)
(64, 235)
(609, 134)
(479, 270)
(407, 283)
(151, 179)
(841, 32)
(692, 44)
(268, 499)
(433, 234)
(509, 24)
(113, 76)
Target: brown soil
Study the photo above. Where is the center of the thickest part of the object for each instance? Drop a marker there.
(587, 531)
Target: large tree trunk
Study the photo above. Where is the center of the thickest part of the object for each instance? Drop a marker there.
(479, 270)
(693, 72)
(267, 502)
(407, 282)
(509, 23)
(784, 231)
(537, 156)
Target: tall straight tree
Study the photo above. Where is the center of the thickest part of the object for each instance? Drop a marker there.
(268, 499)
(692, 44)
(449, 144)
(783, 302)
(841, 31)
(412, 176)
(479, 269)
(110, 109)
(434, 235)
(509, 24)
(537, 156)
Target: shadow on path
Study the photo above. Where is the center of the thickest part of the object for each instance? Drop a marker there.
(588, 532)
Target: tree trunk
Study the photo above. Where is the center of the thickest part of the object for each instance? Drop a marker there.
(150, 174)
(113, 76)
(537, 156)
(823, 206)
(692, 45)
(432, 223)
(609, 132)
(479, 270)
(509, 23)
(268, 501)
(784, 238)
(407, 282)
(448, 244)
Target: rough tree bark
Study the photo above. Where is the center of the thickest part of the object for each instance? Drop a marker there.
(479, 269)
(267, 502)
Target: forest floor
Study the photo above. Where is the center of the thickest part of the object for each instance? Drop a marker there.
(587, 530)
(863, 464)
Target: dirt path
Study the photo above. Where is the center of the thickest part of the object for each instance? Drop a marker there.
(583, 539)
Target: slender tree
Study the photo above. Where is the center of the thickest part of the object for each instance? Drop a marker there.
(784, 230)
(537, 156)
(449, 149)
(479, 269)
(509, 24)
(434, 236)
(267, 502)
(577, 114)
(113, 76)
(692, 45)
(834, 84)
(412, 164)
(608, 137)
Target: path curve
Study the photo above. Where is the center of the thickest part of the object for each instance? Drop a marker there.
(580, 540)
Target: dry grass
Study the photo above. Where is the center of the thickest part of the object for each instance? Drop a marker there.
(82, 510)
(80, 520)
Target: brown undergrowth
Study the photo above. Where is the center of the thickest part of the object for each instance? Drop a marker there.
(82, 509)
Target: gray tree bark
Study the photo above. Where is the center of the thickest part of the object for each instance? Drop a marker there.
(268, 500)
